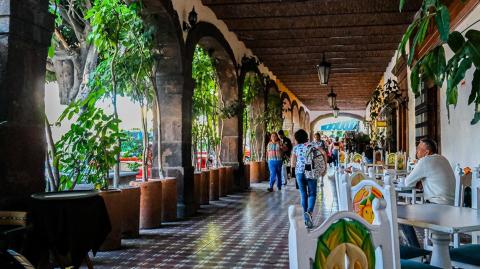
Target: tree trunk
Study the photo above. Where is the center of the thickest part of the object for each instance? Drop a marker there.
(143, 110)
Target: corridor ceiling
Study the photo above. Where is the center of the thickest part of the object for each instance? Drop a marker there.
(359, 38)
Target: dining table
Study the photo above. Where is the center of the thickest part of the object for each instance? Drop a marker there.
(442, 221)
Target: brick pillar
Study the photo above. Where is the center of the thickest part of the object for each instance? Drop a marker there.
(25, 33)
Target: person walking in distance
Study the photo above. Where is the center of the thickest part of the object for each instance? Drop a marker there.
(274, 157)
(286, 153)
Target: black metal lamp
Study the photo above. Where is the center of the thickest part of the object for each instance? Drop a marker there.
(192, 20)
(336, 111)
(332, 98)
(323, 70)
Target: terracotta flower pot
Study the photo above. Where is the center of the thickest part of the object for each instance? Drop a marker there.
(246, 177)
(131, 211)
(205, 188)
(114, 205)
(255, 172)
(197, 192)
(230, 179)
(169, 199)
(150, 203)
(222, 181)
(214, 190)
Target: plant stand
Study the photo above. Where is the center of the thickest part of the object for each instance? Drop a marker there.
(263, 171)
(150, 203)
(222, 181)
(214, 189)
(230, 180)
(113, 203)
(205, 188)
(197, 192)
(245, 181)
(169, 199)
(131, 211)
(255, 172)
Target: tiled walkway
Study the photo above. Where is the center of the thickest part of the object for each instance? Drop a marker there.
(246, 230)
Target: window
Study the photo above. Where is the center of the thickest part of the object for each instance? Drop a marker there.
(426, 114)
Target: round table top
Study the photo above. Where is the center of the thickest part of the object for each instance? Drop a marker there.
(64, 195)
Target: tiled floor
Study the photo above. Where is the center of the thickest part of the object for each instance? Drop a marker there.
(246, 230)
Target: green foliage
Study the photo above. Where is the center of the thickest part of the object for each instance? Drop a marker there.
(434, 65)
(273, 114)
(87, 151)
(133, 166)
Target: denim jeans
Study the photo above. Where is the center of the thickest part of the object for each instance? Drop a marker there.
(308, 192)
(275, 168)
(335, 157)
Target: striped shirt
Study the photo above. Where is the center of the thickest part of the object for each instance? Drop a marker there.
(274, 152)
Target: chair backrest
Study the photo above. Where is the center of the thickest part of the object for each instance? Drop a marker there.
(401, 161)
(476, 187)
(356, 177)
(344, 238)
(377, 157)
(357, 158)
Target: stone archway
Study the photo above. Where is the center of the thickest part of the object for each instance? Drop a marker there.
(287, 113)
(295, 117)
(170, 85)
(307, 123)
(330, 115)
(301, 118)
(210, 38)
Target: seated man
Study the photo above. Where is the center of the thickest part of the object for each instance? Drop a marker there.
(437, 178)
(435, 173)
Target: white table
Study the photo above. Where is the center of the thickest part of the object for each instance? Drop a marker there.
(442, 220)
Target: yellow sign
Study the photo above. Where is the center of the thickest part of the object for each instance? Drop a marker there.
(379, 124)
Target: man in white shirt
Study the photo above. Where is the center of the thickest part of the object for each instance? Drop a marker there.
(435, 173)
(437, 178)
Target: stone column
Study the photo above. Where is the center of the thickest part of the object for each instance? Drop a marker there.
(229, 91)
(25, 33)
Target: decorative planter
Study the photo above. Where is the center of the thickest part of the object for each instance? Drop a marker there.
(205, 188)
(131, 211)
(222, 181)
(169, 199)
(197, 191)
(114, 205)
(264, 171)
(256, 172)
(150, 203)
(230, 179)
(246, 177)
(214, 182)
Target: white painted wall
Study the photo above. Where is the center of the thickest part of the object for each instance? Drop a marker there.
(460, 140)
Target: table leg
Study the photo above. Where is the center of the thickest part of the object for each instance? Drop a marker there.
(440, 251)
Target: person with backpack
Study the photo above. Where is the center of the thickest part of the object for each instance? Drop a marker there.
(309, 164)
(322, 148)
(287, 151)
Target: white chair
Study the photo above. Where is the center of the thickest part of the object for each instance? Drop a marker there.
(468, 254)
(377, 157)
(364, 244)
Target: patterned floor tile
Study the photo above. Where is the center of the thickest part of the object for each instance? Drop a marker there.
(246, 230)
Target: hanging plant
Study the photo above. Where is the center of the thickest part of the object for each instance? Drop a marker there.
(434, 65)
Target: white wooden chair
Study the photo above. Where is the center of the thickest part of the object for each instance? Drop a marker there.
(360, 197)
(466, 255)
(377, 157)
(364, 245)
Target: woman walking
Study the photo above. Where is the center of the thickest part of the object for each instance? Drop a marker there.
(274, 156)
(307, 186)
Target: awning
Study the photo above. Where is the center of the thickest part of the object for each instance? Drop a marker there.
(351, 125)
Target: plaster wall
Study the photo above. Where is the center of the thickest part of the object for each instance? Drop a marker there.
(459, 140)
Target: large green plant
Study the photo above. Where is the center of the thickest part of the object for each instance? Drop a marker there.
(206, 109)
(87, 151)
(433, 65)
(253, 101)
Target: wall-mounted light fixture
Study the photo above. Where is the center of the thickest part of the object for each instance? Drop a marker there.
(323, 70)
(192, 20)
(332, 98)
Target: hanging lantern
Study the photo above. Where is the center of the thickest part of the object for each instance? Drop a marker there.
(332, 99)
(336, 111)
(323, 70)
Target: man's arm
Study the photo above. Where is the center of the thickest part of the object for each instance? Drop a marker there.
(417, 174)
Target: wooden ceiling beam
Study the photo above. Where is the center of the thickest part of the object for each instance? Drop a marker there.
(321, 21)
(260, 52)
(321, 41)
